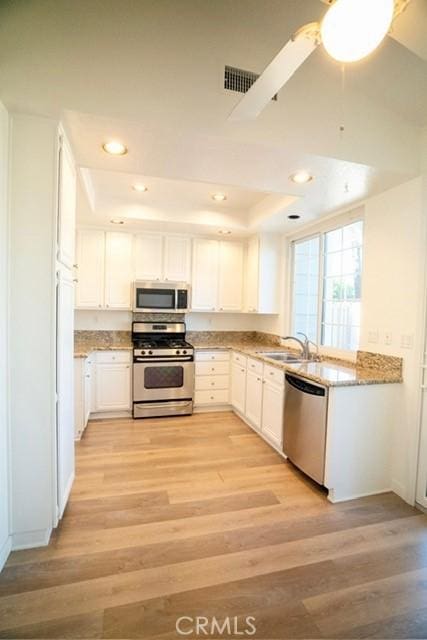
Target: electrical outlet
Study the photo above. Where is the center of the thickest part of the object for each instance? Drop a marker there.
(388, 337)
(373, 336)
(407, 341)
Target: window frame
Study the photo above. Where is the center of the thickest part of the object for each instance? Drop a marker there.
(320, 232)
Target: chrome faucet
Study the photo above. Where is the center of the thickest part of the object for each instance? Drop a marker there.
(305, 345)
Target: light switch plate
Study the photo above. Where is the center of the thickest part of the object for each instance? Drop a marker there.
(373, 336)
(388, 337)
(407, 341)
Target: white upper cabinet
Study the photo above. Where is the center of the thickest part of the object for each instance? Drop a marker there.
(262, 291)
(217, 276)
(66, 204)
(148, 256)
(177, 258)
(90, 269)
(230, 276)
(118, 270)
(204, 296)
(163, 258)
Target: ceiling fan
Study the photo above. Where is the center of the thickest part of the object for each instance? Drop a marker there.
(349, 31)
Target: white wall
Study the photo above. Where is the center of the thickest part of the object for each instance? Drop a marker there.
(393, 293)
(5, 541)
(32, 328)
(122, 320)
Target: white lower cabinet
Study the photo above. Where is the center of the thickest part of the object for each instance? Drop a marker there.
(238, 386)
(212, 381)
(272, 412)
(253, 411)
(113, 381)
(83, 375)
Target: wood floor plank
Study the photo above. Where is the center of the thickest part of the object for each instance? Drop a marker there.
(198, 515)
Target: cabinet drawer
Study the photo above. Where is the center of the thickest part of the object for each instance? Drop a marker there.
(113, 357)
(212, 382)
(239, 358)
(271, 374)
(218, 396)
(212, 356)
(212, 368)
(255, 365)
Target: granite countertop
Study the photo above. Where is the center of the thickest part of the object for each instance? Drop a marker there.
(85, 342)
(331, 373)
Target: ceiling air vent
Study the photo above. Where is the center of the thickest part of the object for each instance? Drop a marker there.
(240, 80)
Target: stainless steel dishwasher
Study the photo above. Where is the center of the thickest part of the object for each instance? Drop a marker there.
(304, 435)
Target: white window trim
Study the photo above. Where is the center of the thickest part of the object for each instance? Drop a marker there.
(319, 230)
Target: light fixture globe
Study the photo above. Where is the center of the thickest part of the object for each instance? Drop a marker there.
(352, 29)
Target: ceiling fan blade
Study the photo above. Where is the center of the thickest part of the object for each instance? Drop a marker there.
(275, 76)
(410, 27)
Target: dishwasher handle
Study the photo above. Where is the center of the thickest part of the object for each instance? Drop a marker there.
(304, 386)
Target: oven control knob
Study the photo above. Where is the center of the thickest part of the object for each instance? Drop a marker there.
(143, 353)
(150, 353)
(185, 351)
(178, 352)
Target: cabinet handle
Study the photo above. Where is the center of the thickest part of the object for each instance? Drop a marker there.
(128, 367)
(212, 384)
(242, 370)
(100, 306)
(221, 309)
(75, 266)
(259, 379)
(75, 279)
(212, 397)
(271, 373)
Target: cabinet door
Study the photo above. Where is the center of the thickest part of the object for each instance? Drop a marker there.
(230, 276)
(254, 388)
(87, 392)
(205, 275)
(90, 272)
(148, 257)
(272, 413)
(118, 270)
(238, 387)
(65, 425)
(66, 205)
(112, 387)
(252, 275)
(177, 259)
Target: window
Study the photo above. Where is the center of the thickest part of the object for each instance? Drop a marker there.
(327, 271)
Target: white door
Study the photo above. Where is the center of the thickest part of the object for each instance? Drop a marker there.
(252, 273)
(149, 257)
(177, 259)
(421, 496)
(238, 387)
(254, 388)
(66, 205)
(90, 269)
(272, 412)
(118, 270)
(112, 387)
(230, 276)
(205, 275)
(65, 388)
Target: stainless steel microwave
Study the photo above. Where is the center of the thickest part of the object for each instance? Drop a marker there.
(161, 296)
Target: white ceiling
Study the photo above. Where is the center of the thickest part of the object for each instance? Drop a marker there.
(151, 73)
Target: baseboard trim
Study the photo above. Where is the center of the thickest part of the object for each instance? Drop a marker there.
(4, 551)
(31, 539)
(212, 408)
(356, 496)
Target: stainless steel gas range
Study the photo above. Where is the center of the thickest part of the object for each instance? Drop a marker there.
(163, 370)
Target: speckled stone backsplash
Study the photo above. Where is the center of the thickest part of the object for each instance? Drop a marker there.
(159, 317)
(387, 364)
(103, 339)
(227, 337)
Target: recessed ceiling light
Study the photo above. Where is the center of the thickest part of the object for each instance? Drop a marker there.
(224, 232)
(115, 148)
(139, 187)
(116, 221)
(301, 177)
(294, 216)
(219, 197)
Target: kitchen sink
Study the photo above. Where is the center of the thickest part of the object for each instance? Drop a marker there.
(282, 356)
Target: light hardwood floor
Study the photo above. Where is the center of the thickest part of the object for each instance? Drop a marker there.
(199, 517)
